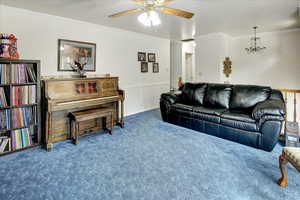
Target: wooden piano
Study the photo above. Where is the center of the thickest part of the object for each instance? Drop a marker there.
(62, 96)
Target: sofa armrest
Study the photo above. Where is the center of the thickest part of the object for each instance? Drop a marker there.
(272, 108)
(170, 97)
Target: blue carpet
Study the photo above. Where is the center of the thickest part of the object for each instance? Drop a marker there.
(149, 160)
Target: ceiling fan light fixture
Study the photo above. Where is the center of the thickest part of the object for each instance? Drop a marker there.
(150, 18)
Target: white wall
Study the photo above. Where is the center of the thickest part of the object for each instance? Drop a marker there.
(211, 51)
(188, 47)
(278, 66)
(1, 18)
(116, 52)
(176, 63)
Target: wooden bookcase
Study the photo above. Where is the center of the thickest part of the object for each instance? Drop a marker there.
(33, 127)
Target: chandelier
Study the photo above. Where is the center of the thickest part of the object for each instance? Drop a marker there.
(149, 18)
(255, 44)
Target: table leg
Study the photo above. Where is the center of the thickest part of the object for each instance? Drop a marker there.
(282, 163)
(77, 133)
(111, 123)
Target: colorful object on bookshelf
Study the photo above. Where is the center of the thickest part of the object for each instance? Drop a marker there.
(8, 46)
(5, 144)
(3, 101)
(23, 95)
(4, 74)
(23, 117)
(22, 73)
(22, 138)
(4, 119)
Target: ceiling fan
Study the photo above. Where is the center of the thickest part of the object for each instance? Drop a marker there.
(149, 17)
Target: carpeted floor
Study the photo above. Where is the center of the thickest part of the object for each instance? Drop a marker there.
(149, 160)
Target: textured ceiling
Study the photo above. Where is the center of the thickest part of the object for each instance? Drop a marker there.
(234, 17)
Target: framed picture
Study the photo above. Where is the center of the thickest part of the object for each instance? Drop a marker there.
(70, 52)
(151, 57)
(144, 67)
(155, 67)
(142, 56)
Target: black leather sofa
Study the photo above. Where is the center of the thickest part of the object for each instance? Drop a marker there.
(247, 114)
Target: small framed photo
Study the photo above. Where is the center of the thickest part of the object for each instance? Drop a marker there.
(142, 56)
(151, 57)
(155, 68)
(144, 67)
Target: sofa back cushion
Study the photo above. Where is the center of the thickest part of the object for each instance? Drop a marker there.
(193, 93)
(245, 97)
(276, 95)
(217, 95)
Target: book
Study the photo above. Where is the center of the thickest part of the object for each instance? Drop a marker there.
(3, 144)
(23, 73)
(21, 138)
(4, 119)
(24, 117)
(4, 74)
(22, 95)
(3, 101)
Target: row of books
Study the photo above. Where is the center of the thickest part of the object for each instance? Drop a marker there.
(4, 74)
(22, 73)
(23, 117)
(22, 138)
(4, 119)
(24, 95)
(5, 144)
(3, 102)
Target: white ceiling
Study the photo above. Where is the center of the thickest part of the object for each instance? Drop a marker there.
(234, 17)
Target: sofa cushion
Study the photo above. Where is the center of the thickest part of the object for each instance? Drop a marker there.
(217, 95)
(245, 97)
(276, 95)
(238, 115)
(209, 111)
(200, 89)
(208, 114)
(239, 120)
(193, 93)
(182, 109)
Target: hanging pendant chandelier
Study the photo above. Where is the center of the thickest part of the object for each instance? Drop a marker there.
(255, 43)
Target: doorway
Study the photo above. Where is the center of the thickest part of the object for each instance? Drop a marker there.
(188, 67)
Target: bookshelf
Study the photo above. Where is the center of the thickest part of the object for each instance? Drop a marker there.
(20, 100)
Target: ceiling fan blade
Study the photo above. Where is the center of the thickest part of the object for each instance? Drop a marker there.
(161, 1)
(139, 1)
(177, 12)
(126, 12)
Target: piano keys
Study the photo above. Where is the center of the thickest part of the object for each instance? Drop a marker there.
(62, 96)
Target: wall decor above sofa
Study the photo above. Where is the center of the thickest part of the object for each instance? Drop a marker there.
(247, 114)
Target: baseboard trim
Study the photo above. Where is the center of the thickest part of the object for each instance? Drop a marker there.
(142, 111)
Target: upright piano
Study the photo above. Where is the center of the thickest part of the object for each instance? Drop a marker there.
(62, 96)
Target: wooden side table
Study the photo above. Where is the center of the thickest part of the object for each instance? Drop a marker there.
(77, 117)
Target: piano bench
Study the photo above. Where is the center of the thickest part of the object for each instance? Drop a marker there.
(80, 116)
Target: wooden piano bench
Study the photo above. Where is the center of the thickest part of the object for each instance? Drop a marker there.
(81, 116)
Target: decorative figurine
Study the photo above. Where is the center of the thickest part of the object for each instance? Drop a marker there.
(180, 83)
(227, 67)
(79, 68)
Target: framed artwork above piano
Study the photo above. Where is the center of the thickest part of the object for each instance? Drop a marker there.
(62, 96)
